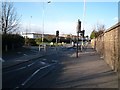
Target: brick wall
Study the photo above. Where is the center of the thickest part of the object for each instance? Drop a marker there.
(108, 46)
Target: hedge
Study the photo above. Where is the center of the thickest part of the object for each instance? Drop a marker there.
(12, 41)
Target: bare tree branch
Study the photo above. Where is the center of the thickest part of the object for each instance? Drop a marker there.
(9, 19)
(98, 29)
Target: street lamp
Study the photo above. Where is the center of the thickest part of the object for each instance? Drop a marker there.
(30, 23)
(43, 20)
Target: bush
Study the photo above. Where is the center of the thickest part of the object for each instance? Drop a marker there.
(62, 39)
(12, 41)
(32, 42)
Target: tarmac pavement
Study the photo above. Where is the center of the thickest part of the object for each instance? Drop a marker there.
(89, 70)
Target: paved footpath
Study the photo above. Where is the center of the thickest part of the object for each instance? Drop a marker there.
(87, 71)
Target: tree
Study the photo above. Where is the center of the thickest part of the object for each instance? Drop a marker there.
(9, 19)
(32, 42)
(98, 30)
(38, 41)
(49, 38)
(101, 29)
(93, 34)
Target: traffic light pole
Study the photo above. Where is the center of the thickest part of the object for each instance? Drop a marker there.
(56, 42)
(57, 36)
(78, 31)
(77, 44)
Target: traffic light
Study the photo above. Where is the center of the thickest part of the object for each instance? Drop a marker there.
(82, 33)
(57, 33)
(79, 26)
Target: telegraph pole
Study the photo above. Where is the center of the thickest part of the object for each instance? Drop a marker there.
(77, 44)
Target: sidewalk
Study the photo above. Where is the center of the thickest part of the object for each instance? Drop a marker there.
(89, 70)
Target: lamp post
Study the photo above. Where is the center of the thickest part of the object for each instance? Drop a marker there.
(30, 24)
(43, 20)
(43, 12)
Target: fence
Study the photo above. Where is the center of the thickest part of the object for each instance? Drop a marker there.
(108, 46)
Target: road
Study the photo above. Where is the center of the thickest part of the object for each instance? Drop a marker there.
(62, 69)
(25, 74)
(89, 70)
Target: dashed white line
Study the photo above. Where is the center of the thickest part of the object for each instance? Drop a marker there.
(20, 68)
(15, 69)
(44, 59)
(31, 64)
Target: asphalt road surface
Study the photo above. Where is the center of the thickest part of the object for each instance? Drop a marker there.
(62, 70)
(27, 74)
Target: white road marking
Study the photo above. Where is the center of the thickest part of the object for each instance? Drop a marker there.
(34, 74)
(54, 61)
(15, 70)
(28, 79)
(16, 88)
(30, 64)
(20, 68)
(44, 59)
(43, 63)
(25, 54)
(20, 60)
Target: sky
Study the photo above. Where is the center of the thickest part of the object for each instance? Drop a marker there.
(43, 17)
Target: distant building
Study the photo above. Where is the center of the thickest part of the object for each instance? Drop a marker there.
(68, 36)
(31, 35)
